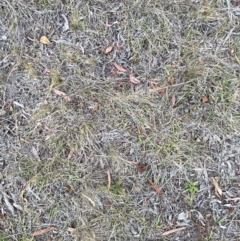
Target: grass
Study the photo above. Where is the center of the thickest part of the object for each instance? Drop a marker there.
(182, 120)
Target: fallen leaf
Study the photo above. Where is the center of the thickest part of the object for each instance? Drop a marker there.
(204, 99)
(142, 168)
(158, 89)
(158, 191)
(71, 229)
(218, 190)
(118, 67)
(108, 49)
(173, 231)
(153, 84)
(60, 93)
(118, 46)
(45, 40)
(109, 179)
(70, 188)
(42, 231)
(108, 25)
(173, 100)
(133, 79)
(70, 153)
(47, 128)
(139, 130)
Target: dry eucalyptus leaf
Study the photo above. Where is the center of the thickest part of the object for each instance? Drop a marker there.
(154, 186)
(134, 80)
(142, 168)
(69, 229)
(158, 89)
(44, 40)
(108, 49)
(60, 93)
(118, 67)
(42, 231)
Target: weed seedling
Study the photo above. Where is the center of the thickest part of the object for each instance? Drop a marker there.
(192, 188)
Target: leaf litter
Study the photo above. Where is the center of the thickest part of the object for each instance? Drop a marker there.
(43, 231)
(168, 137)
(119, 67)
(45, 40)
(60, 93)
(108, 49)
(154, 186)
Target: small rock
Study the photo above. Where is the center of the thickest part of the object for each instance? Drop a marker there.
(2, 112)
(4, 37)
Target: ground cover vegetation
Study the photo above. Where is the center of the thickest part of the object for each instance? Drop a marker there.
(119, 120)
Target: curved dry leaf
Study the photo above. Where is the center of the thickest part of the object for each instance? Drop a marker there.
(134, 80)
(108, 49)
(154, 186)
(140, 167)
(42, 231)
(118, 67)
(158, 89)
(69, 229)
(60, 93)
(44, 40)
